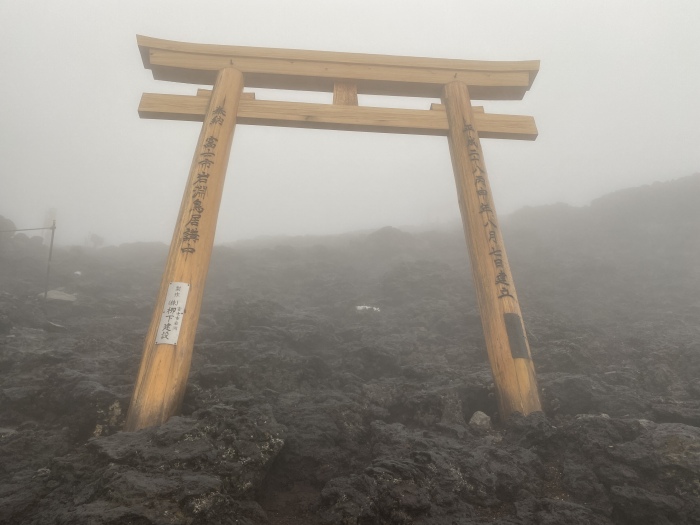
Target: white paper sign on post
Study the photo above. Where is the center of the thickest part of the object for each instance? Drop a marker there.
(171, 319)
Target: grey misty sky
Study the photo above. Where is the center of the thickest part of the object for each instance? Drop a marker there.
(616, 104)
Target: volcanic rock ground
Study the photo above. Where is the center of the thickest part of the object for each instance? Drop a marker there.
(301, 409)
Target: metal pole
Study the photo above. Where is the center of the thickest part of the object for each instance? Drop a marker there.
(48, 264)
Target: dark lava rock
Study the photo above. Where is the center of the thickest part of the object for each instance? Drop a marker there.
(300, 409)
(198, 469)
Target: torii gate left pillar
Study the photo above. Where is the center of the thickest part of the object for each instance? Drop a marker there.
(160, 386)
(167, 354)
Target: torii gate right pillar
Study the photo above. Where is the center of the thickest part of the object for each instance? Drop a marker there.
(506, 342)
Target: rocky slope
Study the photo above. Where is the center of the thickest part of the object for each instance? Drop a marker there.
(302, 409)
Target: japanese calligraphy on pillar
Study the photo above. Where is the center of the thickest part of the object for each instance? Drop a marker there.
(502, 281)
(173, 310)
(205, 161)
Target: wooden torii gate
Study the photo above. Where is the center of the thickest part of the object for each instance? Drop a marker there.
(167, 354)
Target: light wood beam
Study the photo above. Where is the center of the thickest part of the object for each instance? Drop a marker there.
(147, 43)
(165, 364)
(318, 76)
(319, 70)
(347, 118)
(504, 332)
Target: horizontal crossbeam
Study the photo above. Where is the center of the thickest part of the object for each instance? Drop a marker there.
(336, 117)
(319, 70)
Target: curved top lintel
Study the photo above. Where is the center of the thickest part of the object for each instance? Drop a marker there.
(318, 70)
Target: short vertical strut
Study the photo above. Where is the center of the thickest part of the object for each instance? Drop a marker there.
(506, 342)
(345, 93)
(167, 353)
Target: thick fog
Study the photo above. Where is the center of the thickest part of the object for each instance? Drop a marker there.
(616, 105)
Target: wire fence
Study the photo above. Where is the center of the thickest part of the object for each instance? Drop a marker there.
(28, 229)
(48, 263)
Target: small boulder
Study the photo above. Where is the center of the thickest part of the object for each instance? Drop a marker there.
(480, 420)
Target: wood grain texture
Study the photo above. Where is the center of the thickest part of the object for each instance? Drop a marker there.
(514, 377)
(347, 118)
(162, 378)
(319, 70)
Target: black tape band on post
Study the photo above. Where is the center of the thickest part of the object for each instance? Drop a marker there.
(516, 336)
